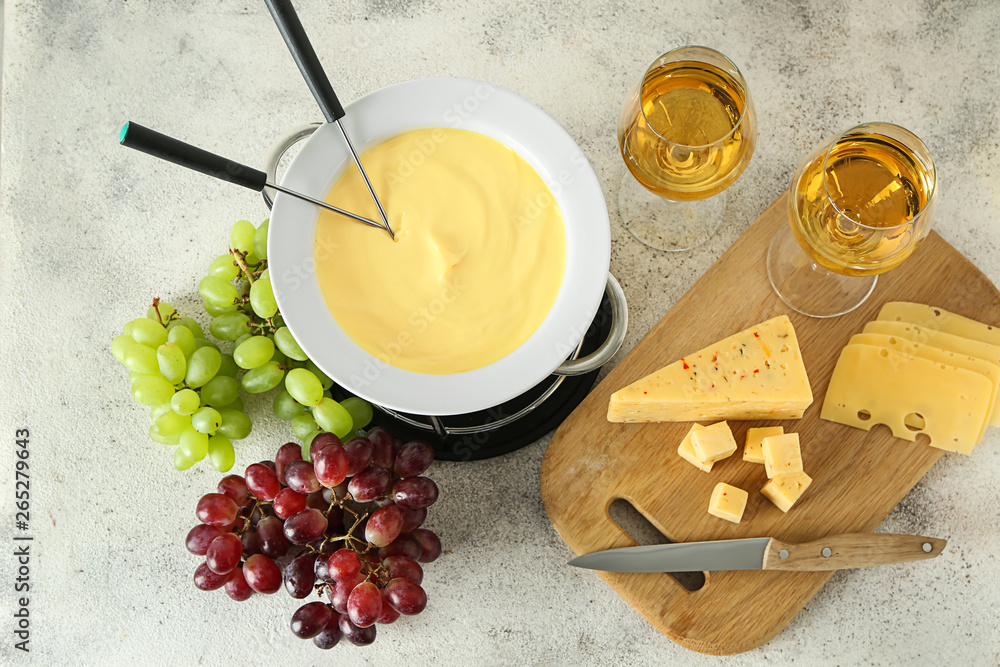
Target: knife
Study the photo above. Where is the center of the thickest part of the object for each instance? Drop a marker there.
(834, 552)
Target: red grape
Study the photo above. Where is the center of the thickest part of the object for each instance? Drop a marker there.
(369, 484)
(262, 574)
(320, 441)
(317, 500)
(403, 567)
(354, 634)
(340, 591)
(359, 455)
(224, 553)
(299, 475)
(388, 615)
(199, 537)
(404, 545)
(383, 525)
(321, 568)
(288, 452)
(271, 533)
(270, 466)
(288, 502)
(383, 447)
(331, 634)
(262, 481)
(300, 576)
(306, 526)
(206, 580)
(414, 458)
(405, 596)
(364, 604)
(415, 492)
(413, 519)
(344, 565)
(251, 543)
(330, 465)
(429, 543)
(310, 619)
(235, 487)
(216, 509)
(237, 587)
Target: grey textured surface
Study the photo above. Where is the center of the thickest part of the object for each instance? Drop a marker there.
(91, 231)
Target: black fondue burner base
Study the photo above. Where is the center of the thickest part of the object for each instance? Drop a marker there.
(519, 433)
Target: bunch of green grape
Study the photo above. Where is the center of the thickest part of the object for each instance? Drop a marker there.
(237, 294)
(189, 385)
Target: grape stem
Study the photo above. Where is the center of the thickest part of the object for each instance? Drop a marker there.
(240, 259)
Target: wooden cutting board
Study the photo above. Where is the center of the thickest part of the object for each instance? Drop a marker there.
(858, 476)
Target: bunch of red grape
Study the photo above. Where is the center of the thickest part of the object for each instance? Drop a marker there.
(355, 510)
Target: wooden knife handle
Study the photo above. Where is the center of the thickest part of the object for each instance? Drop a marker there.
(838, 552)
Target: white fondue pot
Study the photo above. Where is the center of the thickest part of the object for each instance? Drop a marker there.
(536, 137)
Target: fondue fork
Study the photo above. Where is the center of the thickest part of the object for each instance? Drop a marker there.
(312, 71)
(173, 150)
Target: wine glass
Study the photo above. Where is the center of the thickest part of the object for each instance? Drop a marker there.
(686, 133)
(859, 205)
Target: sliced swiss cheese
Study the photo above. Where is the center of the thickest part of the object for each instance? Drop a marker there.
(932, 317)
(876, 385)
(981, 366)
(937, 338)
(755, 374)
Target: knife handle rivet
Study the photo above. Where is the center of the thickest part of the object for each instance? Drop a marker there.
(783, 553)
(827, 552)
(927, 547)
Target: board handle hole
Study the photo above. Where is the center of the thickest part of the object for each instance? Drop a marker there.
(645, 533)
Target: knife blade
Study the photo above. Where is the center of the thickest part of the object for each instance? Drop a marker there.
(834, 552)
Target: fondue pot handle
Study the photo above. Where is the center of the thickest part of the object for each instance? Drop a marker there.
(610, 347)
(278, 150)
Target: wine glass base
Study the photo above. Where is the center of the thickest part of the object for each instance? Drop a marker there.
(664, 224)
(809, 288)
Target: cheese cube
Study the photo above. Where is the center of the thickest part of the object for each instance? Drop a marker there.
(752, 452)
(713, 443)
(782, 455)
(785, 490)
(728, 502)
(686, 451)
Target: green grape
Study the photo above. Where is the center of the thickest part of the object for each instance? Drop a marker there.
(265, 274)
(323, 379)
(278, 321)
(204, 342)
(194, 444)
(252, 260)
(158, 411)
(133, 376)
(260, 240)
(235, 425)
(203, 366)
(285, 407)
(220, 453)
(127, 329)
(352, 435)
(306, 442)
(303, 425)
(152, 390)
(182, 337)
(360, 410)
(193, 326)
(263, 378)
(278, 356)
(262, 299)
(120, 345)
(217, 291)
(206, 420)
(215, 311)
(253, 352)
(149, 333)
(331, 416)
(228, 366)
(239, 341)
(241, 237)
(185, 402)
(165, 310)
(181, 461)
(170, 358)
(155, 436)
(171, 423)
(224, 267)
(220, 391)
(235, 405)
(229, 326)
(304, 386)
(286, 343)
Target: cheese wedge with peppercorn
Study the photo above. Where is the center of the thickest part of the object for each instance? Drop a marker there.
(754, 374)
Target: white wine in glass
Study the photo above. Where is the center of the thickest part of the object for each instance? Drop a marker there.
(860, 204)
